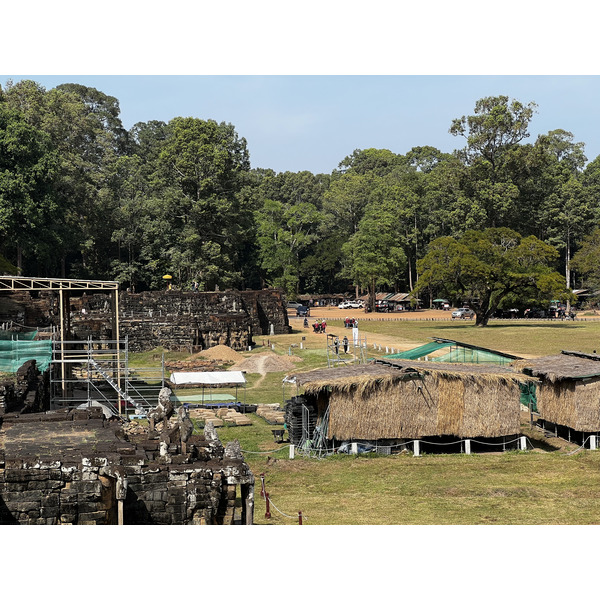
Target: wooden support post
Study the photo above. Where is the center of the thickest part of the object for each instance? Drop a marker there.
(121, 520)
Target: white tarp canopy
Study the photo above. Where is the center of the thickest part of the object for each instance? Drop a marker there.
(208, 378)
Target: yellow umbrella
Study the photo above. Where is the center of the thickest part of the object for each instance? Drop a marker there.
(167, 277)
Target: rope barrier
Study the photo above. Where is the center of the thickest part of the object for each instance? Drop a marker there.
(288, 516)
(266, 451)
(582, 447)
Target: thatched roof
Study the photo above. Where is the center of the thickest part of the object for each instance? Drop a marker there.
(570, 390)
(391, 370)
(559, 367)
(412, 399)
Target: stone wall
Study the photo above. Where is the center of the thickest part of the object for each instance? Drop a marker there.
(27, 391)
(74, 467)
(173, 319)
(196, 321)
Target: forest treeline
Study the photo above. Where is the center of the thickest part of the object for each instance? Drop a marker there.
(81, 196)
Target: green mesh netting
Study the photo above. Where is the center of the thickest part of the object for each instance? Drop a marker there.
(471, 355)
(528, 395)
(17, 335)
(420, 351)
(13, 353)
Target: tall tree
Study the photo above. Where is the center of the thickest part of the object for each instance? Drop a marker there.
(482, 268)
(373, 255)
(27, 201)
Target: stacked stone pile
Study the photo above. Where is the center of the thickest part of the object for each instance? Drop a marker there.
(218, 417)
(193, 365)
(271, 413)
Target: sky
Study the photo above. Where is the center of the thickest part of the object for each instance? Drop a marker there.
(311, 123)
(307, 84)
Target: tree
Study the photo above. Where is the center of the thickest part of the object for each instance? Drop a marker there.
(27, 200)
(205, 164)
(484, 267)
(586, 261)
(373, 254)
(496, 126)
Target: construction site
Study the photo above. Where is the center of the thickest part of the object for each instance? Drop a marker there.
(71, 450)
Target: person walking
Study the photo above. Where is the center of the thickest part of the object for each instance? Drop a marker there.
(345, 344)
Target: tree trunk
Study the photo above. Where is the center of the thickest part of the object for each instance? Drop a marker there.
(568, 270)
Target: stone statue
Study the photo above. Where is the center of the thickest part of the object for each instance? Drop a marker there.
(163, 411)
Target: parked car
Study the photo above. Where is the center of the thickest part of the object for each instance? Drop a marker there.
(303, 311)
(463, 313)
(382, 306)
(351, 304)
(535, 313)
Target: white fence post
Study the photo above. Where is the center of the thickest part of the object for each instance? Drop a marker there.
(354, 448)
(292, 452)
(523, 442)
(416, 448)
(592, 442)
(467, 446)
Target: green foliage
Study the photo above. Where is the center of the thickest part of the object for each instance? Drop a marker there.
(484, 267)
(81, 196)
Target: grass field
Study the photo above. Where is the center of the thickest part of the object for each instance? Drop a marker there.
(551, 485)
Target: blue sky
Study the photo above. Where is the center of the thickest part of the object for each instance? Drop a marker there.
(296, 122)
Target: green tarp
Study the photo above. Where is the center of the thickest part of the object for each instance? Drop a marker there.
(528, 395)
(459, 354)
(17, 335)
(13, 353)
(471, 355)
(420, 351)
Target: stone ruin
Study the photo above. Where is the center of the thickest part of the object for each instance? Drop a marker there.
(73, 466)
(26, 391)
(175, 320)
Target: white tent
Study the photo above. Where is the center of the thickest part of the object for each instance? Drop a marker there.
(209, 378)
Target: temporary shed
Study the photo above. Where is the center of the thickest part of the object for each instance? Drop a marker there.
(211, 384)
(569, 389)
(391, 399)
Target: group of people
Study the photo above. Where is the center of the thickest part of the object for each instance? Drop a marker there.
(350, 322)
(319, 326)
(336, 345)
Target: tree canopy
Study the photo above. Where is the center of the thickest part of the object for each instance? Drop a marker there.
(483, 268)
(81, 196)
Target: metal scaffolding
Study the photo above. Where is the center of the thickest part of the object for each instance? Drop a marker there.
(347, 351)
(99, 371)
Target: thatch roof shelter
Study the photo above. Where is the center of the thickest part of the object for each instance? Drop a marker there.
(391, 399)
(569, 393)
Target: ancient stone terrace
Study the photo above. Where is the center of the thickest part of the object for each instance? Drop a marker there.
(75, 467)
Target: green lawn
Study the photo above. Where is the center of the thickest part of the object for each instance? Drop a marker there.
(519, 337)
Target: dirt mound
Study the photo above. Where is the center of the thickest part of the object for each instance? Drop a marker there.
(221, 352)
(268, 362)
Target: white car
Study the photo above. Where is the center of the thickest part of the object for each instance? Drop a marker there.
(463, 313)
(351, 304)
